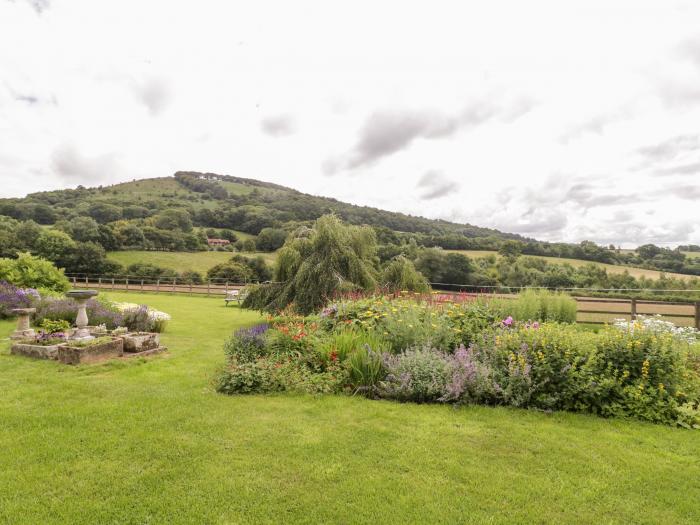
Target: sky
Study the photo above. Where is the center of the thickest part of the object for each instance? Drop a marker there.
(562, 121)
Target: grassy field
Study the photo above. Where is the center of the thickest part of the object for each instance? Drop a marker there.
(180, 261)
(150, 442)
(611, 268)
(202, 261)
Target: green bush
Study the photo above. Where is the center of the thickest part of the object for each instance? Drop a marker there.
(246, 345)
(54, 327)
(418, 375)
(401, 274)
(270, 375)
(28, 271)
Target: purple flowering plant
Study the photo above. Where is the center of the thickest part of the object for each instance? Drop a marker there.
(66, 309)
(12, 297)
(247, 344)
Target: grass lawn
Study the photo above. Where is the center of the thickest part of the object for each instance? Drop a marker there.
(150, 442)
(180, 261)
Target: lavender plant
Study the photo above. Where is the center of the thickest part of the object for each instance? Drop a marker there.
(65, 309)
(246, 344)
(12, 297)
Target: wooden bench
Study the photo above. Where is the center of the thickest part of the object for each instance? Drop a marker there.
(235, 295)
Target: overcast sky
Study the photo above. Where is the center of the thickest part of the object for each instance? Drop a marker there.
(558, 120)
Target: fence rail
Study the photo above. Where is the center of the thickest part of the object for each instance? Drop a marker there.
(591, 310)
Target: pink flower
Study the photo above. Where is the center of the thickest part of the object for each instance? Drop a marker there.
(508, 321)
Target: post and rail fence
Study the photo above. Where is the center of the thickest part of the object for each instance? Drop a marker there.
(590, 310)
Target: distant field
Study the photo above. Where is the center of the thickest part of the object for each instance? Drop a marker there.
(692, 255)
(164, 189)
(236, 189)
(611, 268)
(202, 261)
(239, 234)
(180, 261)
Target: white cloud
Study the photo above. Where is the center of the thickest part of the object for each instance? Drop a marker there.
(566, 126)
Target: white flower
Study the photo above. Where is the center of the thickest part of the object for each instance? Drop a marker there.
(657, 325)
(155, 315)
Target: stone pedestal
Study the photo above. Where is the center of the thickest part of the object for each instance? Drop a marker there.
(81, 321)
(23, 331)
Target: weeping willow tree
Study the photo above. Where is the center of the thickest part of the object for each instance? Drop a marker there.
(401, 274)
(317, 263)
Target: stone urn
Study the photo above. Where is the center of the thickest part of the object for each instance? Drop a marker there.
(23, 330)
(81, 321)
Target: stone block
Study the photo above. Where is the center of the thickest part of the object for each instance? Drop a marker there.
(92, 353)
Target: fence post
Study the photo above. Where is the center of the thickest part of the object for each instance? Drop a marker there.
(190, 287)
(697, 315)
(158, 285)
(86, 281)
(74, 282)
(99, 282)
(174, 281)
(208, 286)
(112, 283)
(127, 284)
(141, 285)
(634, 309)
(226, 288)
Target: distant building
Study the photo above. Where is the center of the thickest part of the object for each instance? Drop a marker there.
(218, 242)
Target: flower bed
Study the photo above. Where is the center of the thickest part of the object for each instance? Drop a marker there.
(418, 351)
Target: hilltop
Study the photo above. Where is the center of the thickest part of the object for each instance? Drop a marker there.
(179, 213)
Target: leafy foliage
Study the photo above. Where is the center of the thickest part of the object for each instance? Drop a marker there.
(28, 271)
(316, 264)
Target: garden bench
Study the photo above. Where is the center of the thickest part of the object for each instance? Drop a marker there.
(235, 295)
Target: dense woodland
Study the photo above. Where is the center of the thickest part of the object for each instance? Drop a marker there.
(76, 227)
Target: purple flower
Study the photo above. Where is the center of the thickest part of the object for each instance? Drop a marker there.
(12, 297)
(329, 311)
(508, 321)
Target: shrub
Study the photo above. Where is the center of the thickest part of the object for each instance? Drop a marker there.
(419, 375)
(270, 375)
(247, 378)
(401, 274)
(12, 297)
(246, 344)
(470, 380)
(28, 271)
(54, 327)
(231, 271)
(143, 319)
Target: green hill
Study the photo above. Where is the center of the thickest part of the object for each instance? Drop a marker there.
(166, 222)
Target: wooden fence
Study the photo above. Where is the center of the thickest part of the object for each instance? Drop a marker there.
(127, 284)
(589, 309)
